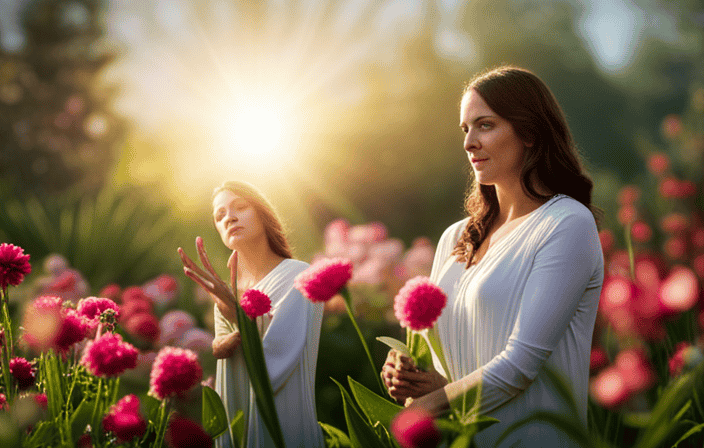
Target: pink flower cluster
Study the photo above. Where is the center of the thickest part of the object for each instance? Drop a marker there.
(136, 313)
(415, 428)
(14, 265)
(174, 372)
(324, 278)
(23, 371)
(686, 357)
(255, 303)
(124, 419)
(48, 324)
(91, 308)
(109, 356)
(419, 303)
(380, 264)
(162, 290)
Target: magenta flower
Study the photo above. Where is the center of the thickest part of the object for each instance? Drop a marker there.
(124, 419)
(419, 303)
(255, 303)
(415, 428)
(685, 357)
(109, 356)
(323, 279)
(680, 290)
(174, 372)
(609, 388)
(41, 400)
(91, 308)
(14, 265)
(143, 326)
(185, 433)
(23, 372)
(72, 330)
(3, 402)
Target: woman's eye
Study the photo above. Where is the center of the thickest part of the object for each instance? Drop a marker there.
(485, 126)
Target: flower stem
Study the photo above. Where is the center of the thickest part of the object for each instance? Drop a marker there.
(6, 347)
(348, 305)
(437, 348)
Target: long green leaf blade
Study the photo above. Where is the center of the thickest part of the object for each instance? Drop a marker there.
(214, 417)
(374, 407)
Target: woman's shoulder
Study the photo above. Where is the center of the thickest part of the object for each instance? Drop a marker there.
(562, 208)
(452, 234)
(293, 265)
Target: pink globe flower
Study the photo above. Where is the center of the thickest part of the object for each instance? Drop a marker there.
(607, 239)
(415, 428)
(132, 307)
(627, 214)
(3, 402)
(41, 400)
(255, 303)
(14, 265)
(597, 359)
(23, 372)
(641, 232)
(161, 290)
(174, 372)
(91, 308)
(109, 356)
(608, 388)
(111, 291)
(124, 419)
(196, 339)
(323, 279)
(676, 363)
(671, 126)
(680, 290)
(185, 433)
(628, 195)
(674, 223)
(72, 330)
(419, 303)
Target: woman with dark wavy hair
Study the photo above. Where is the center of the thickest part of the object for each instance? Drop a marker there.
(523, 272)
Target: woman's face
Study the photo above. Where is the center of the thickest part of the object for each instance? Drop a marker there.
(236, 220)
(493, 147)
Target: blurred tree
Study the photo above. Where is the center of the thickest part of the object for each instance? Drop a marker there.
(57, 129)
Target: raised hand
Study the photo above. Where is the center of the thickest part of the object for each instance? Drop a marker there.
(222, 293)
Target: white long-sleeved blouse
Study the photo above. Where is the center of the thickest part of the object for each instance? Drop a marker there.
(290, 342)
(530, 303)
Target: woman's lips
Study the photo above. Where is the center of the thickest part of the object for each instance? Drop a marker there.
(478, 161)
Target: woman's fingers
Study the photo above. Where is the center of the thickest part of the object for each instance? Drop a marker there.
(208, 285)
(200, 247)
(188, 263)
(232, 264)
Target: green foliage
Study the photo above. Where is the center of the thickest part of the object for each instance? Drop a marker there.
(116, 236)
(213, 414)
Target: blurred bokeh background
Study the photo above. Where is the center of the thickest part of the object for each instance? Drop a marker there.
(118, 118)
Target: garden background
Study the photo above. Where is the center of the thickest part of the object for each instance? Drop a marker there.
(118, 118)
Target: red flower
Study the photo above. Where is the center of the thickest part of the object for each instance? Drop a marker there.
(111, 291)
(132, 307)
(627, 214)
(134, 293)
(255, 303)
(607, 239)
(628, 195)
(41, 400)
(674, 223)
(124, 419)
(144, 326)
(675, 248)
(14, 265)
(597, 359)
(680, 290)
(23, 372)
(641, 232)
(323, 279)
(671, 126)
(3, 402)
(609, 388)
(636, 370)
(676, 363)
(419, 303)
(415, 428)
(91, 308)
(672, 188)
(658, 163)
(72, 330)
(185, 433)
(174, 371)
(109, 356)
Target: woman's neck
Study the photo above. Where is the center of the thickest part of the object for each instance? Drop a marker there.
(254, 263)
(514, 203)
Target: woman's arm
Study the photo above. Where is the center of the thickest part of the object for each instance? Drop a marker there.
(225, 346)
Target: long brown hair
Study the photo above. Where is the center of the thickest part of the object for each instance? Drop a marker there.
(273, 227)
(551, 162)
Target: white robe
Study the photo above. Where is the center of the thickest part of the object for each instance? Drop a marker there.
(290, 343)
(529, 303)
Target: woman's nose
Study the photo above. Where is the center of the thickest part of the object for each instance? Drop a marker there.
(470, 142)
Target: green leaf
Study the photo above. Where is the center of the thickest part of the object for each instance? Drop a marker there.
(214, 417)
(151, 407)
(80, 418)
(569, 426)
(362, 435)
(420, 351)
(334, 438)
(462, 441)
(689, 433)
(395, 344)
(237, 428)
(253, 353)
(54, 386)
(375, 407)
